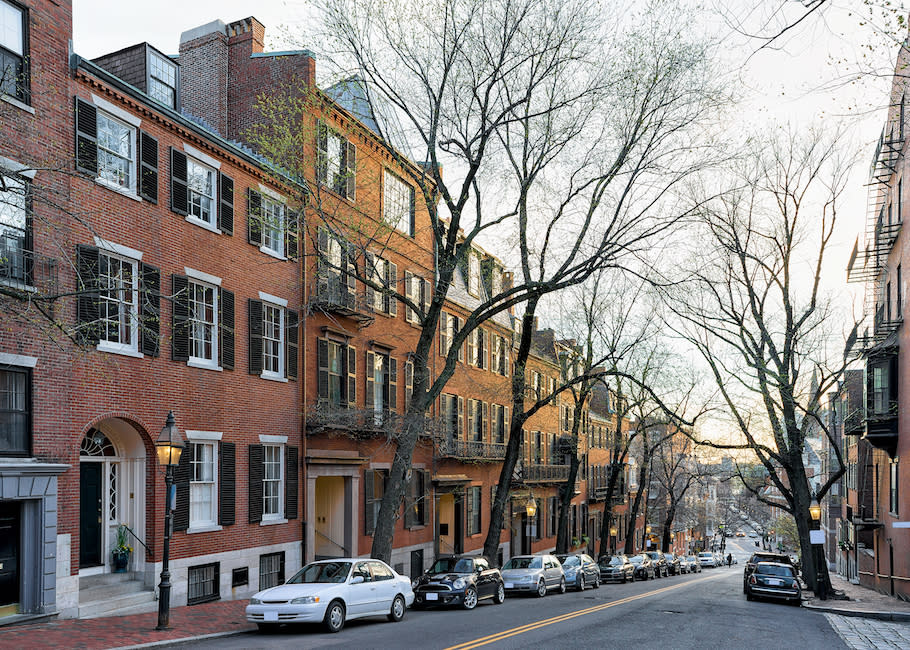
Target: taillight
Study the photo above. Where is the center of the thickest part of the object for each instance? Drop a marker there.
(752, 580)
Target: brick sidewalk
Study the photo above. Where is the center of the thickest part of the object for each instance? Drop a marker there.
(217, 618)
(862, 601)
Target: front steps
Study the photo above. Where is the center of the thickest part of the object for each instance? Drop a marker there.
(114, 594)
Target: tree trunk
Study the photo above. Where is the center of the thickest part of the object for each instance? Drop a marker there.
(633, 513)
(607, 521)
(668, 527)
(566, 492)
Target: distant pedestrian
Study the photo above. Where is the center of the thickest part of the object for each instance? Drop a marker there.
(729, 559)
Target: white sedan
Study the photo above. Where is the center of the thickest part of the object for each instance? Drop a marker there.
(333, 591)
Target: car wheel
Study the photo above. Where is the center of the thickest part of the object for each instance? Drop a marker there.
(398, 608)
(541, 588)
(749, 596)
(334, 616)
(562, 585)
(470, 598)
(632, 577)
(266, 628)
(500, 596)
(597, 582)
(625, 578)
(581, 582)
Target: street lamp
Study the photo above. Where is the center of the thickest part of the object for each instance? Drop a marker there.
(815, 511)
(531, 507)
(821, 585)
(613, 533)
(169, 447)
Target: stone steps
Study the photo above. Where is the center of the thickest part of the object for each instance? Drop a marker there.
(114, 594)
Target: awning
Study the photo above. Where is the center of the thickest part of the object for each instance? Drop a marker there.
(451, 479)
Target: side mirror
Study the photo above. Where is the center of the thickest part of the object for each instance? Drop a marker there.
(356, 580)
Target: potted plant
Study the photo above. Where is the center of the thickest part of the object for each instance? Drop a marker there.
(120, 556)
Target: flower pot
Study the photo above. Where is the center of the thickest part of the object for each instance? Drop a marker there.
(120, 560)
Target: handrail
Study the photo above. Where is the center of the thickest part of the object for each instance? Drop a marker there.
(332, 541)
(147, 549)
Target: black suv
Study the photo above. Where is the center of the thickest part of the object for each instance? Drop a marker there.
(764, 556)
(661, 570)
(673, 564)
(459, 580)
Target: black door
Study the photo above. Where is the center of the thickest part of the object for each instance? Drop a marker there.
(90, 514)
(459, 523)
(9, 552)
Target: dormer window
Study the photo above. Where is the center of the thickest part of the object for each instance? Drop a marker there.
(162, 81)
(474, 274)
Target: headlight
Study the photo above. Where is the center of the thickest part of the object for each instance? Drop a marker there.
(255, 601)
(305, 600)
(414, 583)
(527, 578)
(458, 584)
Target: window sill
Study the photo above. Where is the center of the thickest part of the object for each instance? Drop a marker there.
(204, 365)
(17, 103)
(272, 522)
(113, 348)
(205, 225)
(271, 253)
(19, 286)
(209, 528)
(273, 377)
(128, 193)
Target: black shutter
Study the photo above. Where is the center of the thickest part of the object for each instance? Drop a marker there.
(291, 234)
(392, 283)
(227, 484)
(225, 204)
(412, 223)
(180, 340)
(291, 344)
(469, 510)
(255, 310)
(253, 217)
(290, 485)
(369, 521)
(322, 151)
(370, 383)
(179, 193)
(322, 369)
(182, 485)
(87, 262)
(350, 171)
(86, 137)
(148, 167)
(150, 310)
(256, 475)
(393, 385)
(226, 329)
(410, 501)
(352, 376)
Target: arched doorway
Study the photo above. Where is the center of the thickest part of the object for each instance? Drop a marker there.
(111, 493)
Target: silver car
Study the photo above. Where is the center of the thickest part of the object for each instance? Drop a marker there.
(534, 574)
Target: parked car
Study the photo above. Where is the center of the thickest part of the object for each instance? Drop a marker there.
(774, 580)
(580, 570)
(740, 533)
(693, 564)
(764, 556)
(534, 573)
(753, 534)
(619, 568)
(333, 591)
(661, 570)
(459, 580)
(674, 567)
(644, 568)
(719, 559)
(706, 559)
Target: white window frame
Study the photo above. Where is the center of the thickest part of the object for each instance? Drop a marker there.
(396, 203)
(211, 222)
(18, 50)
(273, 215)
(165, 63)
(117, 347)
(474, 274)
(195, 360)
(277, 516)
(282, 316)
(208, 438)
(117, 117)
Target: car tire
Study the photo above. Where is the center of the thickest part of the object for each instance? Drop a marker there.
(469, 600)
(398, 609)
(597, 582)
(581, 582)
(500, 596)
(625, 578)
(541, 588)
(334, 616)
(749, 596)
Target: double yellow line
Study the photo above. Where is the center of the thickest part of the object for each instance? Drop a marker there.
(505, 634)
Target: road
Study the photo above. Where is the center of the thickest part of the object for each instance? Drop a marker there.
(704, 610)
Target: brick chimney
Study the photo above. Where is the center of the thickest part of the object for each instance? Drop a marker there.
(204, 74)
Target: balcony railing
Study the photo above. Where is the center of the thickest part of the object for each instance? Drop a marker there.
(538, 473)
(26, 270)
(362, 422)
(470, 450)
(333, 295)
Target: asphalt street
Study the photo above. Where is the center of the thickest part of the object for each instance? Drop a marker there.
(704, 610)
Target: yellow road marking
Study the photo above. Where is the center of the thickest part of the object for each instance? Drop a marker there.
(529, 627)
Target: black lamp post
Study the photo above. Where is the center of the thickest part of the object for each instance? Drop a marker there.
(818, 552)
(169, 447)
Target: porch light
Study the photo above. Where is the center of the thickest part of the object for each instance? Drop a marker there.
(613, 531)
(531, 507)
(170, 443)
(815, 510)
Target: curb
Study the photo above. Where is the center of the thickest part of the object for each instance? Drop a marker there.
(189, 639)
(898, 617)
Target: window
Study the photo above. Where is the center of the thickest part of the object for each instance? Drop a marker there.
(894, 486)
(272, 482)
(417, 290)
(15, 231)
(272, 340)
(398, 204)
(899, 298)
(478, 412)
(335, 162)
(118, 301)
(880, 391)
(478, 342)
(15, 411)
(472, 514)
(162, 82)
(201, 192)
(452, 412)
(374, 481)
(203, 584)
(416, 499)
(13, 68)
(337, 386)
(116, 152)
(271, 570)
(500, 356)
(381, 384)
(500, 423)
(384, 274)
(203, 322)
(449, 326)
(273, 224)
(203, 477)
(474, 274)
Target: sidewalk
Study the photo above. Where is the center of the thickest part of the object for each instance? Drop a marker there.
(220, 618)
(863, 602)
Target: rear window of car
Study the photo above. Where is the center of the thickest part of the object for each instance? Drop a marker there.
(706, 555)
(773, 570)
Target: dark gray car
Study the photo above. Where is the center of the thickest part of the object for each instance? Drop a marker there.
(581, 570)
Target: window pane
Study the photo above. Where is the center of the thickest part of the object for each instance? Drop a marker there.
(14, 433)
(397, 203)
(117, 300)
(203, 325)
(272, 339)
(115, 151)
(11, 28)
(201, 187)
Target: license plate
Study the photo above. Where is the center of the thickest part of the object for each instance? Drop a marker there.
(510, 585)
(270, 616)
(774, 583)
(432, 596)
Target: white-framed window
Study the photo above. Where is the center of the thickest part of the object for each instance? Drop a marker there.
(273, 225)
(474, 274)
(14, 229)
(201, 185)
(273, 482)
(398, 204)
(203, 303)
(13, 59)
(272, 340)
(203, 484)
(116, 151)
(118, 303)
(162, 81)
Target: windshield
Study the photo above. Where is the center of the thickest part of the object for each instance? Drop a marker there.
(572, 560)
(444, 565)
(774, 570)
(705, 555)
(636, 559)
(691, 558)
(322, 572)
(613, 560)
(523, 563)
(653, 555)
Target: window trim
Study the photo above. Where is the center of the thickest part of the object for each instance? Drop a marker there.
(151, 53)
(202, 362)
(279, 516)
(24, 101)
(130, 349)
(280, 374)
(210, 438)
(200, 161)
(408, 219)
(29, 405)
(272, 199)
